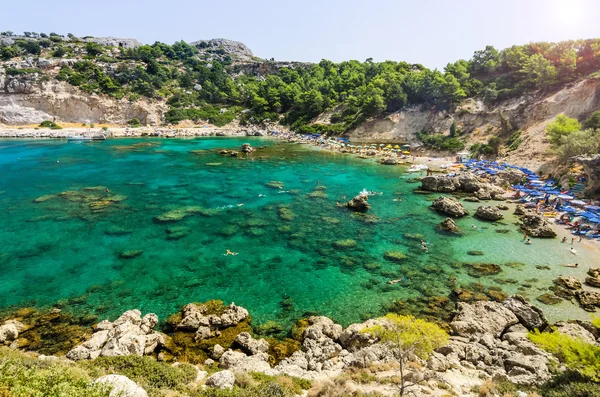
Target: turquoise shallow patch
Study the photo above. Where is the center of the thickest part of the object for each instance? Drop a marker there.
(156, 240)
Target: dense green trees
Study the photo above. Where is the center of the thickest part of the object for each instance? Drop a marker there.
(352, 91)
(569, 140)
(561, 127)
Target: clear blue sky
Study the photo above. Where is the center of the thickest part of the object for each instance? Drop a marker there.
(431, 32)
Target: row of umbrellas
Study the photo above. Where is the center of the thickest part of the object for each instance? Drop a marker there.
(537, 188)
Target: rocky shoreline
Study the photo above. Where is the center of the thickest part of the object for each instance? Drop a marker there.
(46, 133)
(488, 340)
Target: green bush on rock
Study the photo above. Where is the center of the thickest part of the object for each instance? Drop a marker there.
(146, 371)
(575, 353)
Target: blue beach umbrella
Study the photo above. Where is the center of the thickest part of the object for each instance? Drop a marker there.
(594, 220)
(565, 197)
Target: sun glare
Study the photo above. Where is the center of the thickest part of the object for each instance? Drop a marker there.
(568, 12)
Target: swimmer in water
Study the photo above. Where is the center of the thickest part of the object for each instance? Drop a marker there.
(569, 265)
(528, 242)
(573, 251)
(230, 253)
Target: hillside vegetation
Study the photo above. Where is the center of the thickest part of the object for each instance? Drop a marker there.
(200, 81)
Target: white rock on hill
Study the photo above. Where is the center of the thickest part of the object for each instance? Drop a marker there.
(122, 386)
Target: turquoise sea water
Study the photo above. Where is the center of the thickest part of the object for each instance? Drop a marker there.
(79, 247)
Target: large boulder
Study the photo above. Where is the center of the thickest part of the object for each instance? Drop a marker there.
(489, 213)
(449, 206)
(589, 300)
(439, 183)
(353, 338)
(469, 182)
(238, 361)
(121, 386)
(247, 148)
(536, 225)
(130, 334)
(576, 331)
(359, 203)
(221, 380)
(195, 317)
(449, 225)
(321, 325)
(482, 317)
(529, 316)
(251, 345)
(9, 331)
(568, 282)
(487, 191)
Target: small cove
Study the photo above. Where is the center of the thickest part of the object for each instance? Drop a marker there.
(105, 252)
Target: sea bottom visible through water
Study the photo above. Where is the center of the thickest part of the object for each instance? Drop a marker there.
(104, 227)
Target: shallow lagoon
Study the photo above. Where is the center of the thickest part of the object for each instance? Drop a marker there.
(105, 252)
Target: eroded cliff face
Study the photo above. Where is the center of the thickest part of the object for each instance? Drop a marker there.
(31, 99)
(479, 122)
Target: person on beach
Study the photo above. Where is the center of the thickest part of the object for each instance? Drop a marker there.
(572, 240)
(564, 240)
(573, 251)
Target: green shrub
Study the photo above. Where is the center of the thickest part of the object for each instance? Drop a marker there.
(513, 142)
(592, 122)
(268, 390)
(59, 52)
(93, 49)
(8, 52)
(575, 353)
(24, 376)
(134, 122)
(50, 124)
(29, 46)
(147, 372)
(570, 384)
(209, 113)
(21, 72)
(561, 127)
(441, 142)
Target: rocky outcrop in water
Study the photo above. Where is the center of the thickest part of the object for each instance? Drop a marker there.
(195, 318)
(359, 203)
(449, 206)
(449, 225)
(130, 334)
(535, 225)
(489, 213)
(247, 148)
(466, 183)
